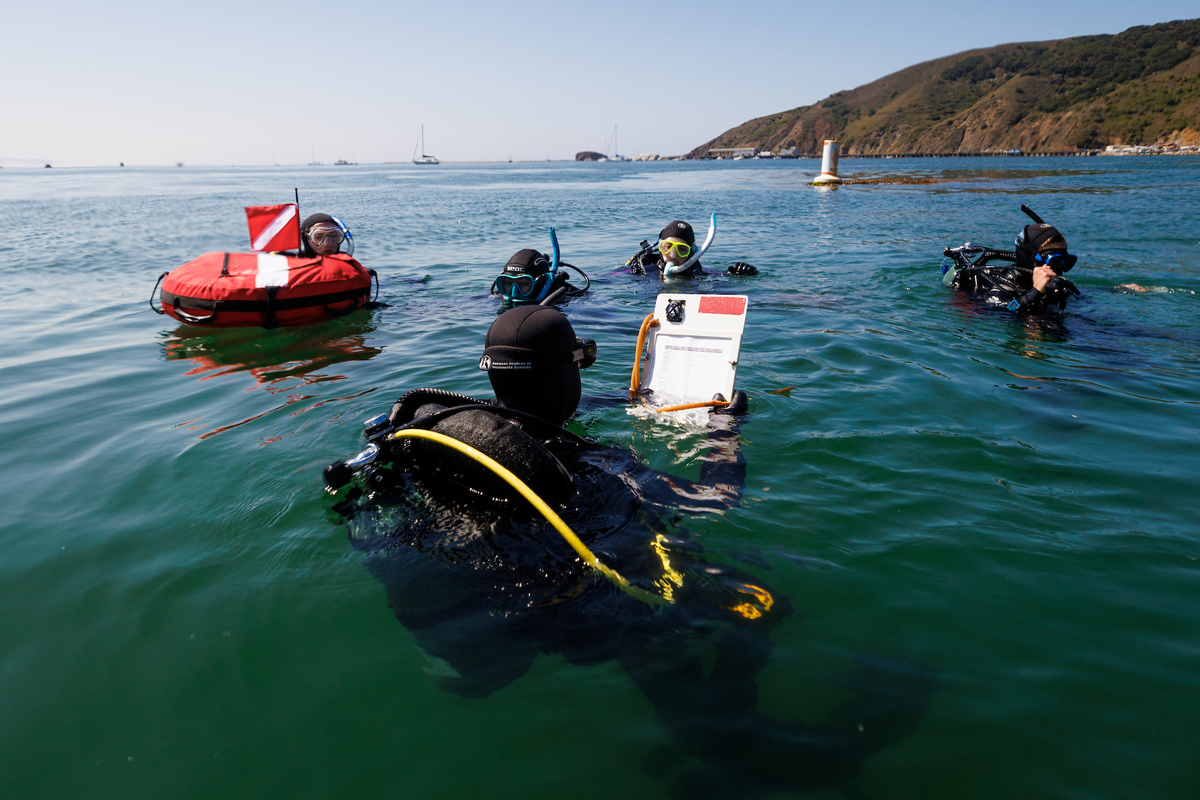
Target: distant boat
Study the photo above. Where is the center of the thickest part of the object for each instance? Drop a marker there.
(424, 159)
(615, 156)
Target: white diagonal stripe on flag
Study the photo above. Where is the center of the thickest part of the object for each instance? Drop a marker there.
(277, 224)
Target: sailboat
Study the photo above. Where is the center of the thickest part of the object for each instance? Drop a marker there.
(424, 159)
(615, 156)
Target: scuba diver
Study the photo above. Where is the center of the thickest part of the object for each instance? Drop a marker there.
(675, 253)
(1027, 280)
(531, 277)
(528, 279)
(484, 584)
(323, 235)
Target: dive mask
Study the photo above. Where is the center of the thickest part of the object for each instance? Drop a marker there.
(323, 232)
(1057, 261)
(682, 249)
(520, 289)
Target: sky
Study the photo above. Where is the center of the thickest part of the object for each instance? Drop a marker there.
(261, 83)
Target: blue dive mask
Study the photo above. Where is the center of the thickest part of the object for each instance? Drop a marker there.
(522, 289)
(1059, 262)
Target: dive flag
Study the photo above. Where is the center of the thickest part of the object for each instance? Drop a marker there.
(274, 228)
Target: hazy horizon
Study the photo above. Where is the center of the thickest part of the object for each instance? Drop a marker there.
(248, 84)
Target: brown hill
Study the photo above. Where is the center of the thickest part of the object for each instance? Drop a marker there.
(1140, 86)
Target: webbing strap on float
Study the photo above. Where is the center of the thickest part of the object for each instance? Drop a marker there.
(268, 314)
(554, 519)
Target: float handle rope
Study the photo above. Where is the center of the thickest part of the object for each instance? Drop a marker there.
(554, 519)
(154, 290)
(635, 379)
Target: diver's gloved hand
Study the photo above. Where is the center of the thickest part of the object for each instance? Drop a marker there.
(738, 406)
(1060, 284)
(742, 268)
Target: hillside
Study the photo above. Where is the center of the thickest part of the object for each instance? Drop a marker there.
(1140, 86)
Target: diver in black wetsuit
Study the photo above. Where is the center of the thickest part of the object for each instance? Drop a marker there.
(675, 245)
(1026, 280)
(484, 584)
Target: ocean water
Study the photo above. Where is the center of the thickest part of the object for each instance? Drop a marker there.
(1010, 504)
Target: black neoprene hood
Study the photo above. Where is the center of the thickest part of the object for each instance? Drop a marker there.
(1034, 236)
(527, 262)
(530, 358)
(537, 338)
(678, 230)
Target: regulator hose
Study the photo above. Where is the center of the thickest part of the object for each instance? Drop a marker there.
(554, 519)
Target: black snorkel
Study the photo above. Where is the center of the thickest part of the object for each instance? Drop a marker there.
(1032, 214)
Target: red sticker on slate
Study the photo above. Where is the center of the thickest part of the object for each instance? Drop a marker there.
(711, 304)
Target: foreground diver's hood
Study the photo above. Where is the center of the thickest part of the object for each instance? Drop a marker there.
(533, 358)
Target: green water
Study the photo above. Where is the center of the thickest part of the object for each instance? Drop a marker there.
(1012, 504)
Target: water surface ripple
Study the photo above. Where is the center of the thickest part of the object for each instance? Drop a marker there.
(1010, 503)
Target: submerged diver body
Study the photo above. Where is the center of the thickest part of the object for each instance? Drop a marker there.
(484, 585)
(1026, 280)
(676, 248)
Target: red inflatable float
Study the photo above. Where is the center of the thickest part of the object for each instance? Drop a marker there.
(223, 290)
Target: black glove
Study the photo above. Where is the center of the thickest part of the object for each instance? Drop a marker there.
(1060, 284)
(739, 405)
(742, 268)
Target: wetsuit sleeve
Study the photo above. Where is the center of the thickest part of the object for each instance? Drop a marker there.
(1027, 302)
(722, 466)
